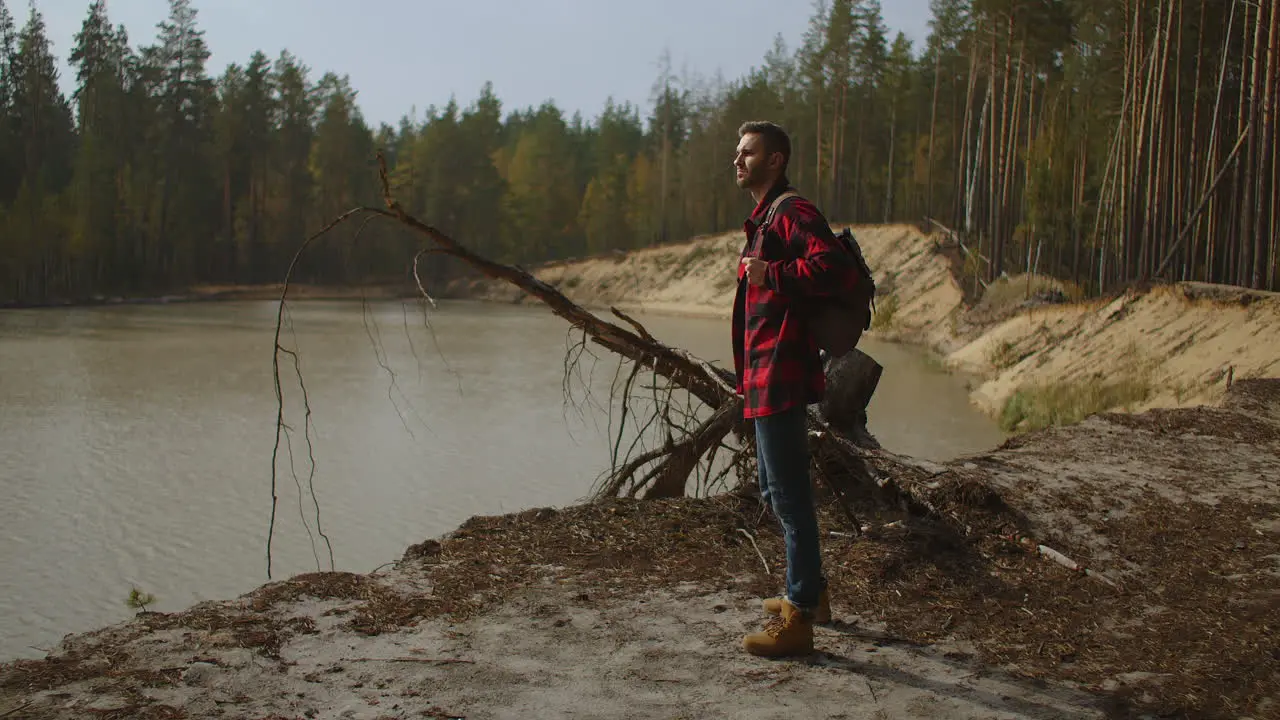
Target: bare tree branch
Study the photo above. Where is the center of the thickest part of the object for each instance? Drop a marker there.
(275, 366)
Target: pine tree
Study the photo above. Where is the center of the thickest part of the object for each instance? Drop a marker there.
(543, 202)
(44, 124)
(481, 134)
(100, 58)
(43, 128)
(342, 169)
(1101, 142)
(185, 97)
(289, 182)
(9, 145)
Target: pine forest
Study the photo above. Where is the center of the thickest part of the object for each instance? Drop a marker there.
(1104, 142)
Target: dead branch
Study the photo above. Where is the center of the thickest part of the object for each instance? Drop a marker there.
(622, 421)
(16, 710)
(683, 457)
(837, 493)
(1064, 561)
(634, 323)
(418, 278)
(275, 367)
(763, 562)
(674, 462)
(640, 347)
(424, 661)
(653, 355)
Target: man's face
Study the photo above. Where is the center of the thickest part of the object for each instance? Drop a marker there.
(755, 168)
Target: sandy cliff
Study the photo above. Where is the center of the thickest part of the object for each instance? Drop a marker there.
(1173, 346)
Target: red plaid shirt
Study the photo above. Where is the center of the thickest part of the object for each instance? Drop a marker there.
(774, 354)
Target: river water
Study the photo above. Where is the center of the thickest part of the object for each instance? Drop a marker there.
(136, 441)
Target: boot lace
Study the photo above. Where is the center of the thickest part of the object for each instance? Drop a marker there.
(776, 626)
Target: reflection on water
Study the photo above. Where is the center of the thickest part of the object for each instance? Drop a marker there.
(136, 442)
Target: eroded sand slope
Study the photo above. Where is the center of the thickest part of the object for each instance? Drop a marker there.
(1184, 341)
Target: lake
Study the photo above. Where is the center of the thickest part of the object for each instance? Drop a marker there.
(136, 441)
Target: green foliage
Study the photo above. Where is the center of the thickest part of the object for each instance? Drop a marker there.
(1003, 355)
(1007, 294)
(1012, 125)
(882, 317)
(936, 363)
(1066, 403)
(139, 600)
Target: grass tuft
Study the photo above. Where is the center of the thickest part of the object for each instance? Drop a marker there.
(1037, 407)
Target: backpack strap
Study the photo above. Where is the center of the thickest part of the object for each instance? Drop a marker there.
(777, 202)
(768, 216)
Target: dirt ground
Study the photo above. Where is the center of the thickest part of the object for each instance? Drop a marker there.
(628, 608)
(550, 652)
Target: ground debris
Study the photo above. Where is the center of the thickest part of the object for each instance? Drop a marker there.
(1175, 507)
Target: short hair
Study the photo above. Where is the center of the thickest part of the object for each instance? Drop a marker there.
(776, 140)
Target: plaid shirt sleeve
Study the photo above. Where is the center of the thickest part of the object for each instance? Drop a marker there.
(775, 356)
(813, 267)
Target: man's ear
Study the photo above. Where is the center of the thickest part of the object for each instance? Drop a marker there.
(775, 161)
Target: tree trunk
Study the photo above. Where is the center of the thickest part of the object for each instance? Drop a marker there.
(1082, 167)
(817, 148)
(1151, 220)
(893, 132)
(1172, 197)
(851, 381)
(1211, 246)
(1136, 217)
(1188, 265)
(999, 141)
(1232, 272)
(1273, 61)
(1009, 216)
(1265, 155)
(933, 123)
(962, 205)
(1249, 237)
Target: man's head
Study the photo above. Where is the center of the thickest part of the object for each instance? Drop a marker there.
(764, 149)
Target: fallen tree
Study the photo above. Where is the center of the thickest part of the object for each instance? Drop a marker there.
(1179, 505)
(846, 457)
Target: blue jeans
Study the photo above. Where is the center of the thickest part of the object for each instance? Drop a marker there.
(782, 452)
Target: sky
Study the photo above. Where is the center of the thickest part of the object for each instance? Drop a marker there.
(402, 54)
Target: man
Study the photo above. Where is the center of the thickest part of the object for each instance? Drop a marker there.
(786, 264)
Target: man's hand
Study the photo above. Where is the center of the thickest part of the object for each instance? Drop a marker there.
(755, 268)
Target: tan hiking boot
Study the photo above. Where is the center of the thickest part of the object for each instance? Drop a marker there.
(789, 634)
(821, 614)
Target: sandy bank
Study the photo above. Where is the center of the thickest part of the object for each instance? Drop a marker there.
(1174, 346)
(1185, 342)
(698, 277)
(215, 293)
(635, 608)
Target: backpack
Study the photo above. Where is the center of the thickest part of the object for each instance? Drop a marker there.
(838, 323)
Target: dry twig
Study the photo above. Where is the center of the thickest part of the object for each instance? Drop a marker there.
(763, 562)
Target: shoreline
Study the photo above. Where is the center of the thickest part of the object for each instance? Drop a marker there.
(1043, 358)
(1166, 518)
(227, 293)
(956, 619)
